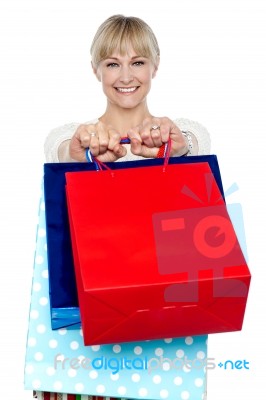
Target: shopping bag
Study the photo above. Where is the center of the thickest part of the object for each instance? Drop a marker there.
(58, 361)
(62, 281)
(147, 258)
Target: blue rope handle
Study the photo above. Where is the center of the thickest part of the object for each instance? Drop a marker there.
(124, 140)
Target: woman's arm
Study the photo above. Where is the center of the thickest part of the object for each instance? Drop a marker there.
(200, 136)
(56, 145)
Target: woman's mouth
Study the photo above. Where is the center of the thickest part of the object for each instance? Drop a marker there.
(127, 90)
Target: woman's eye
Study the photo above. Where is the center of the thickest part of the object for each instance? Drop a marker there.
(112, 65)
(138, 63)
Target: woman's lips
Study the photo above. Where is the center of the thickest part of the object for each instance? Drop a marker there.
(127, 90)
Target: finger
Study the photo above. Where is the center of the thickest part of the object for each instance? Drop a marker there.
(166, 125)
(83, 134)
(103, 137)
(94, 145)
(76, 151)
(119, 151)
(114, 138)
(142, 150)
(134, 133)
(145, 132)
(179, 142)
(79, 141)
(156, 137)
(135, 145)
(152, 129)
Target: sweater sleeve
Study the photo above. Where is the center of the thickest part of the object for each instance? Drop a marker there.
(200, 133)
(55, 138)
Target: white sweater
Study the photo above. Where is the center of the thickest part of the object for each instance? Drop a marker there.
(65, 132)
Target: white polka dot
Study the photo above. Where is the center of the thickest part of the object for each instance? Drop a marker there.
(178, 381)
(187, 368)
(93, 374)
(58, 385)
(31, 342)
(157, 379)
(74, 345)
(122, 390)
(62, 331)
(135, 377)
(143, 392)
(29, 369)
(34, 314)
(164, 393)
(116, 348)
(53, 343)
(50, 371)
(81, 334)
(39, 260)
(43, 301)
(185, 395)
(100, 389)
(36, 287)
(81, 358)
(95, 348)
(138, 350)
(169, 340)
(166, 366)
(36, 384)
(72, 372)
(38, 356)
(189, 340)
(41, 328)
(45, 273)
(198, 382)
(180, 353)
(41, 232)
(158, 351)
(201, 355)
(79, 387)
(114, 377)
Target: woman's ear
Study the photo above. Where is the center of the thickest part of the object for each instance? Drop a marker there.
(156, 66)
(96, 72)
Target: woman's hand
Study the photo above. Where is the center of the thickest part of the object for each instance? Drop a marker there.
(147, 138)
(102, 140)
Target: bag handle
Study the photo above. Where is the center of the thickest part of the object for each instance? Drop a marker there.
(99, 165)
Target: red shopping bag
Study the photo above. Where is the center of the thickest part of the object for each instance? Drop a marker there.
(155, 254)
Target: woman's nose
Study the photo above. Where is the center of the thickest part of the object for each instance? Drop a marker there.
(126, 75)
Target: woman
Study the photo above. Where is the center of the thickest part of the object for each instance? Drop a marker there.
(125, 58)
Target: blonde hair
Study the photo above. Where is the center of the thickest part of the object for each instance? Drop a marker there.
(118, 33)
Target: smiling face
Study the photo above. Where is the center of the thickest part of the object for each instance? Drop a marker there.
(126, 79)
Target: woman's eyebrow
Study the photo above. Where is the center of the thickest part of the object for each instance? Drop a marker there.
(115, 58)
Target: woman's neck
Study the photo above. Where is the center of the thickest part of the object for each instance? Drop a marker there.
(124, 119)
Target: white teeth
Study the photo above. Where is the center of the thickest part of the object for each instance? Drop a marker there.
(126, 90)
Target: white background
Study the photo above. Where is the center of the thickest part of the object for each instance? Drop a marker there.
(212, 70)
